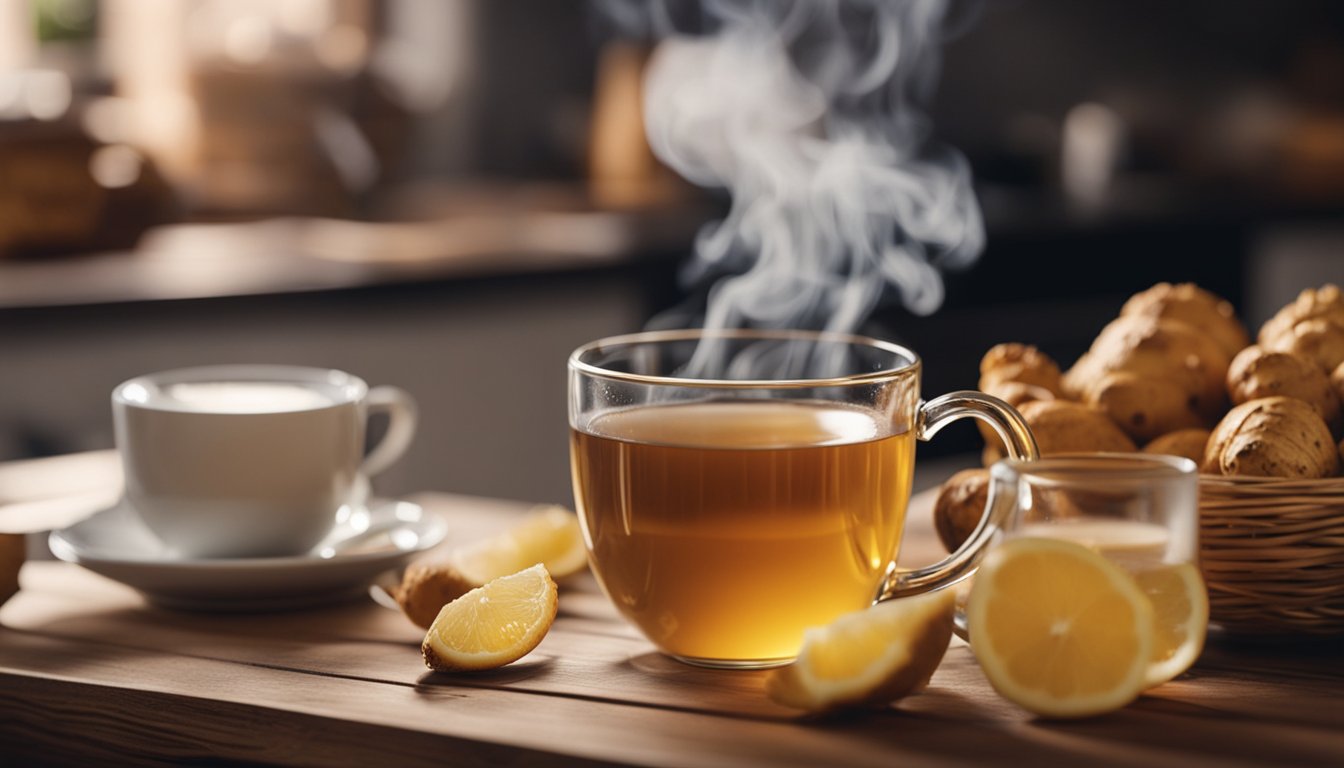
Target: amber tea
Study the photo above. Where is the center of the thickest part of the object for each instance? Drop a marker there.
(739, 486)
(725, 528)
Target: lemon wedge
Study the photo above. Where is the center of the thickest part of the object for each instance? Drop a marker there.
(492, 625)
(868, 657)
(549, 535)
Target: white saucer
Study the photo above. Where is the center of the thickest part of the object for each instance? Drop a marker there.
(365, 543)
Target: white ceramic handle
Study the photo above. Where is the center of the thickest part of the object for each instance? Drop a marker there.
(402, 416)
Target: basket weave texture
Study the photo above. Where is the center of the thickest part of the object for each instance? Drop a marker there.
(1272, 552)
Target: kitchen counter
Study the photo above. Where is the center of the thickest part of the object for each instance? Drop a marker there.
(90, 673)
(300, 255)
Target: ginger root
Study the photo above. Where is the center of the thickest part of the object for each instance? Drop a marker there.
(1018, 363)
(1317, 339)
(1272, 437)
(1326, 302)
(1016, 394)
(960, 505)
(1194, 306)
(1163, 373)
(426, 588)
(1188, 443)
(1143, 406)
(1256, 372)
(1156, 348)
(1061, 426)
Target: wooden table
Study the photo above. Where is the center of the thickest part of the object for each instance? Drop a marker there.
(90, 673)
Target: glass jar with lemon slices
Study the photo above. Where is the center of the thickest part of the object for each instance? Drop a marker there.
(1093, 594)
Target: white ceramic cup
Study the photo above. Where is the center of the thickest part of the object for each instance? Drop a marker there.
(251, 460)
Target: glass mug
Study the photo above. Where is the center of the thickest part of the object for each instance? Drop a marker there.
(737, 487)
(1140, 510)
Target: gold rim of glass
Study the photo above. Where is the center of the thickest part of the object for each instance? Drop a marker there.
(910, 364)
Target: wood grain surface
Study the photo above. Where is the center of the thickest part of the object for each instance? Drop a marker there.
(90, 673)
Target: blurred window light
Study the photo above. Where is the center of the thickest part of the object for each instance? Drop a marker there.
(247, 40)
(34, 94)
(115, 166)
(48, 94)
(303, 18)
(1093, 142)
(109, 120)
(418, 88)
(11, 96)
(425, 52)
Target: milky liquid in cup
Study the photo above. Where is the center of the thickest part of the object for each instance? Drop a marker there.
(1132, 544)
(240, 397)
(724, 529)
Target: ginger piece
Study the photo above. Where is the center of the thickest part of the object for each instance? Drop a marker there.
(1061, 426)
(1016, 394)
(1256, 372)
(1016, 374)
(1318, 339)
(1187, 443)
(1272, 437)
(1018, 363)
(1064, 427)
(1156, 348)
(426, 588)
(13, 550)
(960, 505)
(1144, 407)
(1326, 302)
(1195, 306)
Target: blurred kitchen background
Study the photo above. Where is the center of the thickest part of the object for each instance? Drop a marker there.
(450, 195)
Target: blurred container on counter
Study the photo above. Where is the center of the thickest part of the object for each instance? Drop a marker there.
(254, 107)
(65, 186)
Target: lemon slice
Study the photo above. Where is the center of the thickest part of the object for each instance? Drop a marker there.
(551, 536)
(493, 625)
(548, 535)
(1181, 618)
(868, 657)
(1058, 629)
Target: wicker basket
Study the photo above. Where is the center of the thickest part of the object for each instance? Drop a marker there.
(1272, 552)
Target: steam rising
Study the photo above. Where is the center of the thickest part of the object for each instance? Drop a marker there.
(808, 113)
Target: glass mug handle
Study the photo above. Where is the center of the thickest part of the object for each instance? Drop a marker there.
(932, 417)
